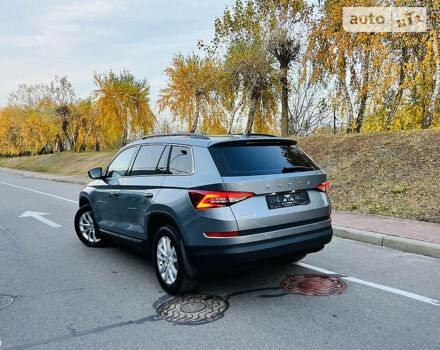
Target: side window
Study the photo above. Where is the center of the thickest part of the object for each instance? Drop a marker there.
(146, 160)
(120, 165)
(181, 161)
(163, 162)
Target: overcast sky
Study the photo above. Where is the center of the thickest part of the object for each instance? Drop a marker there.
(41, 38)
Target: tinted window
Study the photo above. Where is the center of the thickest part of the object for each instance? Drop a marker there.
(120, 165)
(180, 161)
(163, 162)
(147, 159)
(260, 159)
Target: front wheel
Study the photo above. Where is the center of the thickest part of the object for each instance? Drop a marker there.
(168, 262)
(86, 228)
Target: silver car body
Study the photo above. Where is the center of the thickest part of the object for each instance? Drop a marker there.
(132, 207)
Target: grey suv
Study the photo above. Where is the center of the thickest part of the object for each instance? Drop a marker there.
(199, 202)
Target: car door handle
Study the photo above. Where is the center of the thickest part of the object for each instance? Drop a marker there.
(148, 195)
(114, 193)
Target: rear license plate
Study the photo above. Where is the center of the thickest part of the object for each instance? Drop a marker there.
(283, 200)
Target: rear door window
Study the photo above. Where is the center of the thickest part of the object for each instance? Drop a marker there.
(244, 160)
(180, 161)
(147, 159)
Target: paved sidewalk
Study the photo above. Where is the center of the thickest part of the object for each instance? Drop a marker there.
(423, 231)
(405, 235)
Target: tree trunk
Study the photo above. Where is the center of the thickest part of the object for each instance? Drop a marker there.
(59, 143)
(124, 135)
(196, 119)
(64, 127)
(284, 101)
(97, 146)
(255, 97)
(364, 97)
(234, 113)
(347, 99)
(427, 120)
(399, 94)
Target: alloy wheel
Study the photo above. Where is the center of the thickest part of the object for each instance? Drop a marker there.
(167, 260)
(87, 227)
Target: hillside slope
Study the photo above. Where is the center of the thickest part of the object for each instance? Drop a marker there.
(394, 174)
(65, 163)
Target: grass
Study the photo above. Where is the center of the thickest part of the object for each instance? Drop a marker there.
(392, 174)
(65, 163)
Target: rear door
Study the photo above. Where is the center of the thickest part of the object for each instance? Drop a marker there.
(282, 177)
(139, 190)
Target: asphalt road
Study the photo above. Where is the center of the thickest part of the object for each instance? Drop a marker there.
(73, 297)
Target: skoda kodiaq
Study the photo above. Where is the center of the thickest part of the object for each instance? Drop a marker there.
(199, 202)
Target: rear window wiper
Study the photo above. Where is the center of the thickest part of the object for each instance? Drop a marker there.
(292, 169)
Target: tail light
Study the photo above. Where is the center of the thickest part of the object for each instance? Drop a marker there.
(323, 187)
(208, 199)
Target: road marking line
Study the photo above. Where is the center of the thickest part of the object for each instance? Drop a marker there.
(374, 285)
(39, 216)
(44, 193)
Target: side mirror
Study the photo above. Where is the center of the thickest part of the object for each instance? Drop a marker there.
(95, 173)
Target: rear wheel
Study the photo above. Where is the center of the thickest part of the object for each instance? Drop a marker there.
(168, 262)
(86, 228)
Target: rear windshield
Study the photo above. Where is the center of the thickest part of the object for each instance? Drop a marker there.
(260, 159)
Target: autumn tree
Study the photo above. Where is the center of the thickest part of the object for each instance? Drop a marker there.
(248, 62)
(124, 104)
(252, 70)
(191, 86)
(62, 96)
(348, 61)
(283, 24)
(434, 29)
(309, 107)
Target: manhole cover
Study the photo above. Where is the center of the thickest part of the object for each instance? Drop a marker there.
(5, 300)
(313, 284)
(192, 308)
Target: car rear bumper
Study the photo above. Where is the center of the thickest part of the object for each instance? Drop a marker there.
(232, 255)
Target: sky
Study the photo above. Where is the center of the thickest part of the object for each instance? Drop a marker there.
(42, 38)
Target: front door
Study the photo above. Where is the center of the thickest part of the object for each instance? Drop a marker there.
(106, 196)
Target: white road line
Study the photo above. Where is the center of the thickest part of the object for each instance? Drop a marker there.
(39, 216)
(43, 193)
(374, 285)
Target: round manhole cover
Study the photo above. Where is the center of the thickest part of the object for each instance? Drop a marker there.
(313, 284)
(5, 300)
(192, 308)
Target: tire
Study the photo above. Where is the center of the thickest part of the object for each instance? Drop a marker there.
(86, 228)
(293, 258)
(168, 262)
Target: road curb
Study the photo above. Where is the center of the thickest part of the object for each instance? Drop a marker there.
(388, 241)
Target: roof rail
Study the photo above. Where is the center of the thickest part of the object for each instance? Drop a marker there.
(177, 134)
(268, 135)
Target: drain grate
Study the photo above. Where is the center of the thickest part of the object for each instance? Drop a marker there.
(192, 308)
(313, 284)
(5, 301)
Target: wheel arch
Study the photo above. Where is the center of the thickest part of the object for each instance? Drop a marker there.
(84, 200)
(156, 220)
